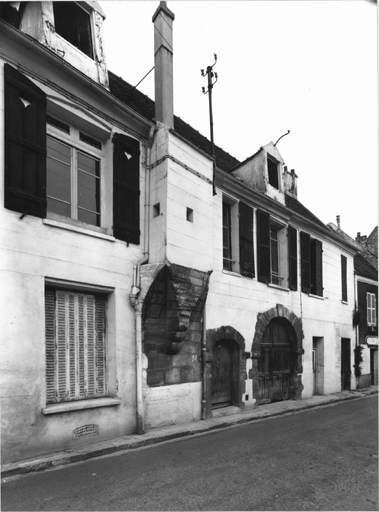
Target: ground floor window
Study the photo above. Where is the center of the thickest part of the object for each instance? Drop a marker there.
(75, 345)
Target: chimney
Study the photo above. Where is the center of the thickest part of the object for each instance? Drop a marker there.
(338, 222)
(358, 237)
(290, 182)
(163, 60)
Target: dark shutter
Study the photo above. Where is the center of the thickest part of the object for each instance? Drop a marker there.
(263, 246)
(318, 269)
(25, 145)
(305, 262)
(292, 258)
(126, 164)
(246, 225)
(343, 277)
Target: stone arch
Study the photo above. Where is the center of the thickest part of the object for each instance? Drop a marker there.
(293, 326)
(229, 335)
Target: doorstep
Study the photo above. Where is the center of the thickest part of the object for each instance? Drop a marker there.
(233, 416)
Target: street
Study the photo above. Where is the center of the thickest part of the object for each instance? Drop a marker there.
(321, 459)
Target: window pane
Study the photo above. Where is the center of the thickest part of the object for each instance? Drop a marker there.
(88, 192)
(88, 164)
(58, 207)
(88, 217)
(74, 25)
(58, 177)
(58, 151)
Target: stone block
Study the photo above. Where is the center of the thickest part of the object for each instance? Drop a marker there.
(182, 359)
(172, 376)
(155, 377)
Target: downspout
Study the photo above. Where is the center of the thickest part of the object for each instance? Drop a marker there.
(355, 305)
(136, 288)
(203, 367)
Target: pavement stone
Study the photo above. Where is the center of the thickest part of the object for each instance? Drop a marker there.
(223, 418)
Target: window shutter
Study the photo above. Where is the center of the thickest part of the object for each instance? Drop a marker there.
(305, 262)
(90, 345)
(318, 271)
(263, 248)
(373, 309)
(50, 345)
(292, 258)
(126, 191)
(344, 277)
(25, 145)
(62, 346)
(246, 226)
(100, 346)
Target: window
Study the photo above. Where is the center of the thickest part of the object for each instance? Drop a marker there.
(272, 169)
(73, 175)
(311, 265)
(75, 345)
(371, 309)
(73, 23)
(277, 252)
(226, 237)
(344, 277)
(43, 151)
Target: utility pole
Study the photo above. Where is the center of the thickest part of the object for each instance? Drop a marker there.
(211, 75)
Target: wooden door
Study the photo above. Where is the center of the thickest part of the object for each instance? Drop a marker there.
(274, 364)
(222, 374)
(345, 363)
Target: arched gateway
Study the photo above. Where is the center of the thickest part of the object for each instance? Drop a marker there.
(277, 356)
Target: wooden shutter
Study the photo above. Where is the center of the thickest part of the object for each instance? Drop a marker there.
(318, 270)
(344, 277)
(263, 246)
(50, 345)
(246, 235)
(369, 306)
(25, 145)
(305, 262)
(373, 311)
(292, 258)
(126, 165)
(100, 346)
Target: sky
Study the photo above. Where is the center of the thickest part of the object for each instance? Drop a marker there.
(308, 66)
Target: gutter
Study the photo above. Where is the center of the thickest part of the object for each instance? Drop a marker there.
(136, 289)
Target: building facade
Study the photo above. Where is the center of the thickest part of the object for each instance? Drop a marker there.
(135, 297)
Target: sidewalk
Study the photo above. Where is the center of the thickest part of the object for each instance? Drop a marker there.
(223, 418)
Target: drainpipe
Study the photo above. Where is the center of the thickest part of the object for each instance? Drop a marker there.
(203, 367)
(136, 288)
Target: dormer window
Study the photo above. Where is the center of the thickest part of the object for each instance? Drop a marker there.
(273, 172)
(73, 23)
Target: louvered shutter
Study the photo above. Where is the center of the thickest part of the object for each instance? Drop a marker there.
(344, 277)
(25, 145)
(263, 246)
(305, 262)
(246, 235)
(100, 346)
(318, 269)
(369, 310)
(126, 193)
(50, 345)
(292, 258)
(373, 311)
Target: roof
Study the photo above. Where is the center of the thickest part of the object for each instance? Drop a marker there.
(363, 268)
(145, 106)
(294, 204)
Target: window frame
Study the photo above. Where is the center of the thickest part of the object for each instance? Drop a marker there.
(77, 145)
(370, 307)
(227, 261)
(270, 175)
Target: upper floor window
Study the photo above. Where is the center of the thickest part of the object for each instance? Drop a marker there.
(277, 251)
(311, 265)
(226, 237)
(50, 165)
(73, 23)
(73, 174)
(371, 309)
(344, 277)
(273, 172)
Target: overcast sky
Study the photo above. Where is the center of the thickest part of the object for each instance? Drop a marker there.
(305, 66)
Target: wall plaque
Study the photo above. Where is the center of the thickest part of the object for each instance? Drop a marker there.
(85, 431)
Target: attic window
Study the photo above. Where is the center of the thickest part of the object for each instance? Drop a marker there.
(74, 24)
(272, 167)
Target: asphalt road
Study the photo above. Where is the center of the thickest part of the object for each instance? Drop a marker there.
(322, 459)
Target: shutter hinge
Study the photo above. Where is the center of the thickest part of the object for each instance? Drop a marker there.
(23, 215)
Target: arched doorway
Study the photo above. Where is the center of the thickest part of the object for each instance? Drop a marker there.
(277, 356)
(224, 373)
(274, 364)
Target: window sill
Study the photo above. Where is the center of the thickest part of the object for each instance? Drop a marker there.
(315, 296)
(77, 229)
(80, 405)
(278, 287)
(231, 273)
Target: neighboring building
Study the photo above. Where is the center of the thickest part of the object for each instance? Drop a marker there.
(365, 319)
(134, 296)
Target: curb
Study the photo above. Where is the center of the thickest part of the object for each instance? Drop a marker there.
(107, 447)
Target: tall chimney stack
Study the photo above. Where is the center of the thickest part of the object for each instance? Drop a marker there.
(163, 60)
(338, 221)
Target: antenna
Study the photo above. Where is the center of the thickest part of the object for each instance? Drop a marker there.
(211, 75)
